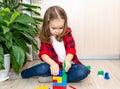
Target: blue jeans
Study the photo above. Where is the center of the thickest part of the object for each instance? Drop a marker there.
(76, 73)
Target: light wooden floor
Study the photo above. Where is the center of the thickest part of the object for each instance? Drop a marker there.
(91, 82)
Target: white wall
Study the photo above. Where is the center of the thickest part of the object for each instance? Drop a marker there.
(95, 25)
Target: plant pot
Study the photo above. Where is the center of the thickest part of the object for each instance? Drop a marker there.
(4, 74)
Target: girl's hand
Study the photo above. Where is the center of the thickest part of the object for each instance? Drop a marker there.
(54, 69)
(68, 65)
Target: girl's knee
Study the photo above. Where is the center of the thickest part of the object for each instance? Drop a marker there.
(42, 68)
(78, 75)
(81, 74)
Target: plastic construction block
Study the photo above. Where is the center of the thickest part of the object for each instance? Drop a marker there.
(88, 67)
(59, 87)
(64, 77)
(61, 82)
(55, 81)
(42, 87)
(60, 73)
(106, 76)
(57, 78)
(72, 87)
(100, 72)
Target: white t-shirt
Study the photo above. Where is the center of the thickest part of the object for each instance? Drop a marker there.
(59, 49)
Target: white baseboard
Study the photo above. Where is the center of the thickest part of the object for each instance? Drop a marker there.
(101, 57)
(111, 57)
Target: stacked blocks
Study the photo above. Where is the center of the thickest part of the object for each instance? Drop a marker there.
(60, 81)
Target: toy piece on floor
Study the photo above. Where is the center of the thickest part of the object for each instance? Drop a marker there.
(106, 76)
(42, 87)
(72, 87)
(88, 67)
(100, 74)
(60, 81)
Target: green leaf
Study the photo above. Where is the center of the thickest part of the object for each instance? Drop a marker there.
(7, 10)
(4, 11)
(35, 47)
(18, 58)
(25, 19)
(30, 6)
(9, 38)
(21, 43)
(1, 54)
(1, 58)
(5, 29)
(28, 36)
(1, 19)
(2, 38)
(38, 19)
(19, 26)
(31, 10)
(7, 22)
(1, 66)
(14, 16)
(26, 28)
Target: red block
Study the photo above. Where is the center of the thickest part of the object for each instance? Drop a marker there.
(72, 87)
(59, 87)
(55, 81)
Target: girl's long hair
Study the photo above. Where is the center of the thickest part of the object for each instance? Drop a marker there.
(54, 12)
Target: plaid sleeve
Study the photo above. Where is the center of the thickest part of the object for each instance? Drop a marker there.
(43, 50)
(70, 43)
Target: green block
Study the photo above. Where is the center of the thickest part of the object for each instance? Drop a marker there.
(100, 72)
(88, 67)
(64, 77)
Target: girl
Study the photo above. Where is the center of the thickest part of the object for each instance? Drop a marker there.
(57, 45)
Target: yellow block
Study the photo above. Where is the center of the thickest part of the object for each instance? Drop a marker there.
(58, 78)
(42, 87)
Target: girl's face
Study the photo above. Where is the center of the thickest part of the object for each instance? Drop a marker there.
(56, 26)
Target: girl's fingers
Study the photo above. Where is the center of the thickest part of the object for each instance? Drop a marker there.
(54, 70)
(68, 66)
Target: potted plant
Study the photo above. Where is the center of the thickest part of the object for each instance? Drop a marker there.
(17, 29)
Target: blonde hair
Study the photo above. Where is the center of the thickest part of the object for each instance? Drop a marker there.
(54, 12)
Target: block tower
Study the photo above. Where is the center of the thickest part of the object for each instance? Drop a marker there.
(60, 81)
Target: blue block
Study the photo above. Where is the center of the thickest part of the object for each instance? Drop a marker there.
(60, 73)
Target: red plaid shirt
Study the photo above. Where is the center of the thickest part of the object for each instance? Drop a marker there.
(69, 44)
